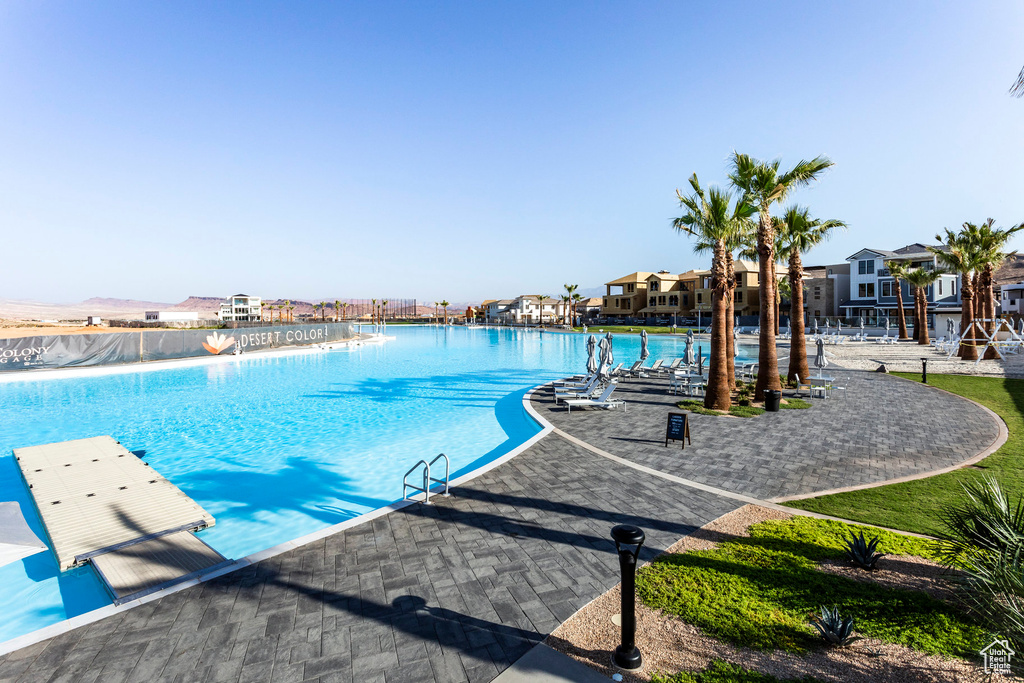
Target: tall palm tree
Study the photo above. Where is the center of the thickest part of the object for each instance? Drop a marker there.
(435, 312)
(566, 299)
(920, 279)
(962, 256)
(798, 234)
(337, 310)
(384, 311)
(898, 271)
(344, 314)
(287, 304)
(570, 290)
(576, 299)
(763, 186)
(991, 242)
(540, 305)
(712, 218)
(373, 312)
(445, 305)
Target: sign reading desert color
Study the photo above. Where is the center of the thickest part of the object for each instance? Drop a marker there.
(70, 350)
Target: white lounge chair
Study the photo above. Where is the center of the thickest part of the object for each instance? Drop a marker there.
(585, 391)
(605, 400)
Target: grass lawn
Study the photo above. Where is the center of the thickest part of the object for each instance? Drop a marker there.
(615, 329)
(726, 672)
(735, 410)
(759, 592)
(915, 505)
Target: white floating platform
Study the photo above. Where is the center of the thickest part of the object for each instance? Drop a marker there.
(96, 497)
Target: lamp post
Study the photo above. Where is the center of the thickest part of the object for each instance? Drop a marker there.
(924, 370)
(628, 540)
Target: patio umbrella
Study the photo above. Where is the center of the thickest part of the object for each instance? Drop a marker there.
(700, 361)
(603, 346)
(839, 325)
(16, 538)
(611, 359)
(815, 326)
(862, 326)
(820, 361)
(591, 360)
(826, 326)
(644, 353)
(688, 350)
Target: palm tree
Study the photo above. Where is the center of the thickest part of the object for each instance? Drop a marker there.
(344, 307)
(435, 312)
(763, 186)
(1018, 87)
(898, 271)
(540, 305)
(712, 218)
(280, 309)
(799, 233)
(384, 311)
(288, 306)
(445, 305)
(337, 310)
(576, 299)
(570, 290)
(920, 278)
(566, 299)
(991, 242)
(962, 256)
(373, 312)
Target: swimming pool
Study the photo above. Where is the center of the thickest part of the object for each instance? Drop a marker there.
(278, 446)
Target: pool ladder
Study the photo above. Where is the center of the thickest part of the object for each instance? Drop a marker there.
(427, 479)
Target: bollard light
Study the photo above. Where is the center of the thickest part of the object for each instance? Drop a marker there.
(628, 540)
(924, 370)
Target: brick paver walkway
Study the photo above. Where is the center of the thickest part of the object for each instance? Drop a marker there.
(885, 427)
(451, 592)
(459, 590)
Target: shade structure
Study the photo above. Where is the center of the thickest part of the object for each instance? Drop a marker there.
(17, 540)
(820, 361)
(591, 359)
(611, 358)
(688, 355)
(644, 353)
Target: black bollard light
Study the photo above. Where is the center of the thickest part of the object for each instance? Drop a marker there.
(924, 370)
(628, 540)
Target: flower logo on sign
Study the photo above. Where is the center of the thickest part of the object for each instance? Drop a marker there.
(216, 343)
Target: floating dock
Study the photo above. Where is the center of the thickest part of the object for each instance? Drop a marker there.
(101, 503)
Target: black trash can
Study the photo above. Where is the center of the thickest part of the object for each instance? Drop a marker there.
(772, 399)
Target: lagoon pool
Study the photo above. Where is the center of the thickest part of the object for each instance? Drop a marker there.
(279, 446)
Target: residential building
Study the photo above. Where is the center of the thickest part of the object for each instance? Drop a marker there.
(746, 297)
(241, 308)
(626, 296)
(1009, 299)
(670, 295)
(588, 307)
(873, 290)
(526, 309)
(826, 289)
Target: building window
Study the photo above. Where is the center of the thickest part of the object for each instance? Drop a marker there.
(629, 303)
(738, 296)
(604, 302)
(866, 267)
(686, 299)
(630, 288)
(887, 288)
(700, 298)
(952, 291)
(940, 287)
(829, 271)
(673, 300)
(865, 290)
(685, 286)
(655, 286)
(661, 300)
(817, 313)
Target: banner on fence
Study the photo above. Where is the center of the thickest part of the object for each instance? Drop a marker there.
(79, 350)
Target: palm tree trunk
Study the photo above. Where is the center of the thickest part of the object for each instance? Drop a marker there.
(917, 315)
(768, 360)
(730, 315)
(923, 313)
(778, 306)
(968, 351)
(989, 308)
(718, 396)
(900, 315)
(798, 342)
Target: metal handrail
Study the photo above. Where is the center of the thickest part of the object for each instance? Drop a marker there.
(426, 482)
(427, 479)
(447, 469)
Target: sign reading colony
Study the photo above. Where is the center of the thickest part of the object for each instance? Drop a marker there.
(62, 351)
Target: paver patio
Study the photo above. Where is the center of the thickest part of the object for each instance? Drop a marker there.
(459, 590)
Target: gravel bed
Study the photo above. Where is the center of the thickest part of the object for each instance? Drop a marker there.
(670, 645)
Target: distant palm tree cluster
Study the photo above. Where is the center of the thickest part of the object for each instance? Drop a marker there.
(723, 226)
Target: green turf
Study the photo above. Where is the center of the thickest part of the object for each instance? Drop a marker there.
(719, 671)
(794, 404)
(759, 592)
(915, 505)
(735, 410)
(745, 411)
(620, 329)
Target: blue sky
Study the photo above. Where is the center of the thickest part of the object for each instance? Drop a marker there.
(473, 150)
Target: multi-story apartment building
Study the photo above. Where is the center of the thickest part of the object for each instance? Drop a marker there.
(873, 290)
(1010, 297)
(241, 308)
(826, 289)
(746, 297)
(629, 296)
(525, 309)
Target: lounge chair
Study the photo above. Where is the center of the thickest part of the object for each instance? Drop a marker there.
(635, 370)
(656, 367)
(577, 392)
(605, 400)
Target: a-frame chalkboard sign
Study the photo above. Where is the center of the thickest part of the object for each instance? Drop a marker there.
(678, 429)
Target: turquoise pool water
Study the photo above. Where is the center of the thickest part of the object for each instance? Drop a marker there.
(279, 446)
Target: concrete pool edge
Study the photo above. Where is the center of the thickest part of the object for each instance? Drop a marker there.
(72, 623)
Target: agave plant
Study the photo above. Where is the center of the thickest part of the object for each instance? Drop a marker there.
(984, 539)
(861, 552)
(834, 629)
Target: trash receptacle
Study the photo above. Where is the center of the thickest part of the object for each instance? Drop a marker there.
(772, 399)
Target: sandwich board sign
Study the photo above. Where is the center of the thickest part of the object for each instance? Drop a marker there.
(678, 429)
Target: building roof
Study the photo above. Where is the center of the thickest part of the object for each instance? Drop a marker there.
(861, 303)
(911, 251)
(632, 278)
(663, 275)
(591, 301)
(693, 274)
